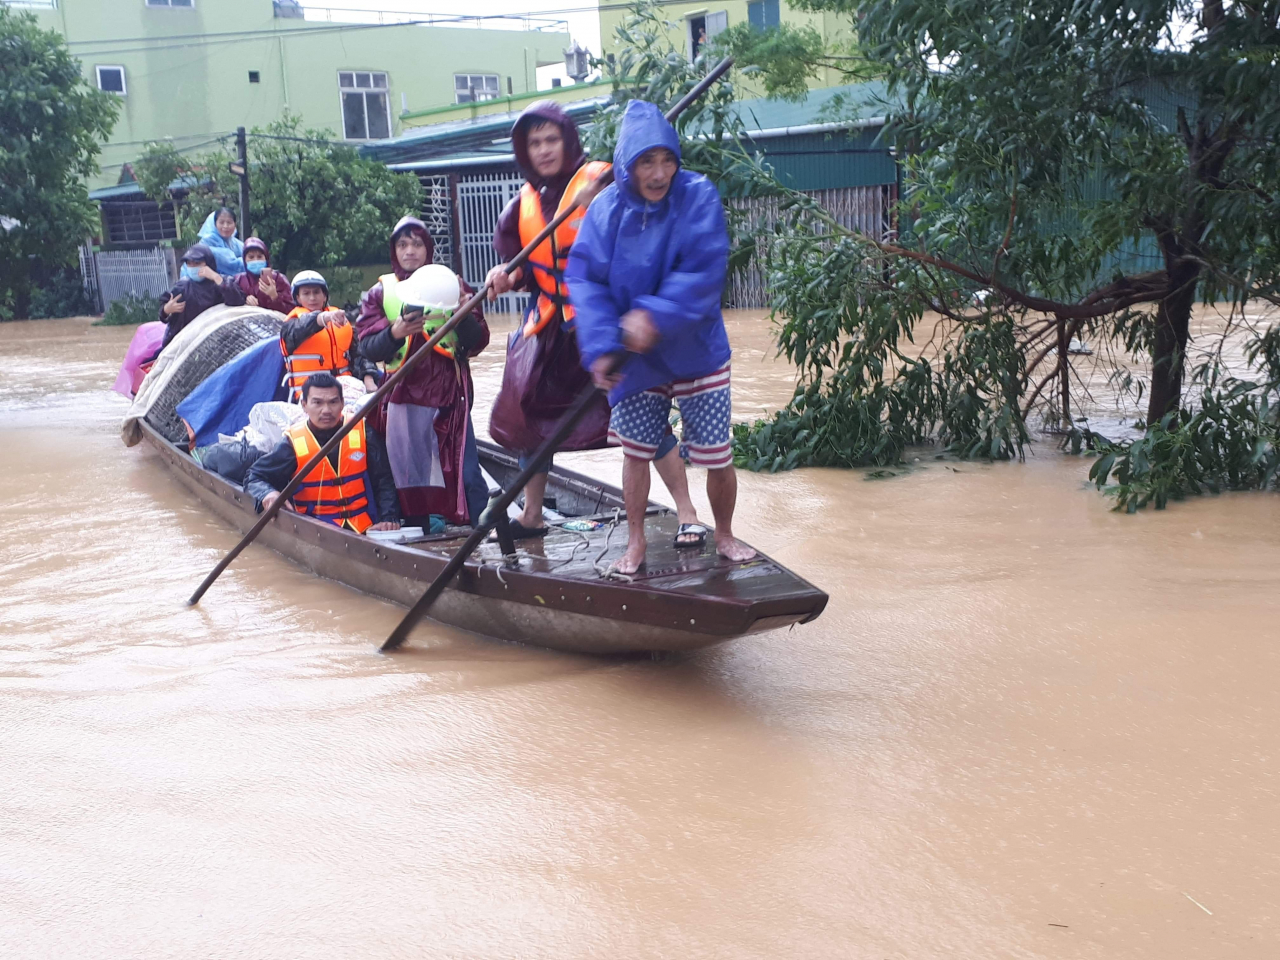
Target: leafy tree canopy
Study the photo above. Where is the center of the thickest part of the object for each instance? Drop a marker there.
(315, 202)
(1070, 170)
(52, 124)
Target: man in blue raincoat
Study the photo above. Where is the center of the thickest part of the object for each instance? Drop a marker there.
(646, 275)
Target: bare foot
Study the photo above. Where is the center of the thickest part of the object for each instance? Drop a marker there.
(633, 559)
(733, 549)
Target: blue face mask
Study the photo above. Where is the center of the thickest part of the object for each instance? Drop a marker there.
(189, 272)
(255, 266)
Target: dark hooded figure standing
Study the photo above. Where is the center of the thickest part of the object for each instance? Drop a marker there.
(543, 374)
(199, 288)
(426, 421)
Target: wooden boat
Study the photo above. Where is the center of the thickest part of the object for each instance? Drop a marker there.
(555, 594)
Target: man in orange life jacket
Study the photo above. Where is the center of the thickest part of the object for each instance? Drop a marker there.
(543, 374)
(317, 337)
(351, 488)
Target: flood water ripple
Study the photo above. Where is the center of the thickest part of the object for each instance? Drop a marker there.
(1025, 727)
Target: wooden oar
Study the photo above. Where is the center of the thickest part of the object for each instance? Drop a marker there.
(390, 383)
(497, 509)
(493, 513)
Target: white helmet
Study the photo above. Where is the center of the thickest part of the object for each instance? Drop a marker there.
(308, 278)
(433, 288)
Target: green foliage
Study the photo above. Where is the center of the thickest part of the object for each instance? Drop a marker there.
(130, 310)
(52, 124)
(159, 165)
(315, 202)
(1231, 442)
(61, 295)
(785, 58)
(1039, 142)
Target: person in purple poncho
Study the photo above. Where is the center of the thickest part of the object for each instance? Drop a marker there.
(543, 374)
(426, 421)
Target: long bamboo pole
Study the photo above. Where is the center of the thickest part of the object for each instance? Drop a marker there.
(390, 383)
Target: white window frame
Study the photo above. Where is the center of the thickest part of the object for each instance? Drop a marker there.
(497, 90)
(124, 80)
(706, 16)
(354, 87)
(169, 4)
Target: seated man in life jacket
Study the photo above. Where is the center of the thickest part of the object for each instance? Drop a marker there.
(199, 288)
(426, 420)
(646, 275)
(317, 337)
(351, 488)
(262, 286)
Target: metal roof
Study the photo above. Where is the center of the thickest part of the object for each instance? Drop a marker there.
(131, 189)
(851, 105)
(471, 136)
(463, 143)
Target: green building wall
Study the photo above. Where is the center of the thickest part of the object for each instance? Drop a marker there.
(187, 69)
(828, 24)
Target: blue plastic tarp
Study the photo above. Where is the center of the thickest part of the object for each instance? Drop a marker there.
(222, 403)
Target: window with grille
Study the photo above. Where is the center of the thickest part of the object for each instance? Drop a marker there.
(138, 221)
(365, 114)
(171, 3)
(111, 79)
(763, 14)
(474, 87)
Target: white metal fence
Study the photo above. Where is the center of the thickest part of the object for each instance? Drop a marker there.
(481, 197)
(117, 273)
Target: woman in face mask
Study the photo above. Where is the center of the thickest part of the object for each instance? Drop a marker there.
(262, 286)
(199, 288)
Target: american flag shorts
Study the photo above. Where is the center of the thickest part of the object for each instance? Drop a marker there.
(639, 422)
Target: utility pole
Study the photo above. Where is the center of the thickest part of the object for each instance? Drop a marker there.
(241, 169)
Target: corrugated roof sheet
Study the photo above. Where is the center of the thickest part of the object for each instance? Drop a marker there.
(459, 141)
(131, 189)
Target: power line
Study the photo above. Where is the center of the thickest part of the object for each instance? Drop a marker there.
(215, 39)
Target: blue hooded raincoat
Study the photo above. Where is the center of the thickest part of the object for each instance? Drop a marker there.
(227, 254)
(669, 258)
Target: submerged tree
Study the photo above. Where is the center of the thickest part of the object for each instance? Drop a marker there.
(1046, 147)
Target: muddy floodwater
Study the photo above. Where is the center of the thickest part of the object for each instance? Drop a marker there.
(1025, 727)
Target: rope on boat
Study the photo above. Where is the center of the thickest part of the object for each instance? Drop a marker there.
(611, 572)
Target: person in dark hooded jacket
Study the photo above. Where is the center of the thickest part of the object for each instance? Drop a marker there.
(199, 288)
(646, 275)
(262, 286)
(426, 420)
(543, 373)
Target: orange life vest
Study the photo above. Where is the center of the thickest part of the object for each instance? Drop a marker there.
(343, 498)
(550, 258)
(325, 351)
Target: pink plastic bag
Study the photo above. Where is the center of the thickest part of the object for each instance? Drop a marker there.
(146, 341)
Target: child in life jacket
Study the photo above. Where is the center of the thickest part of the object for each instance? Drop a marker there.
(318, 338)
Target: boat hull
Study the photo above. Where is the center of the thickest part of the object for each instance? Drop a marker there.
(594, 616)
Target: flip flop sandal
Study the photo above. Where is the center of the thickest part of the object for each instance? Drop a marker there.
(691, 530)
(520, 532)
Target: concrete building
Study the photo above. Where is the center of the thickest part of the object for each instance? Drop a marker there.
(191, 71)
(697, 21)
